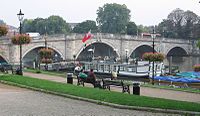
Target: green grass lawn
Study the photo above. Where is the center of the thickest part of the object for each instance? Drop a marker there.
(63, 74)
(102, 95)
(54, 73)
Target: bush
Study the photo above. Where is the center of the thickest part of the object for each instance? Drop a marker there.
(149, 56)
(196, 67)
(38, 71)
(3, 30)
(46, 53)
(46, 60)
(21, 39)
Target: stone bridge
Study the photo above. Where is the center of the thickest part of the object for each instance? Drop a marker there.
(70, 47)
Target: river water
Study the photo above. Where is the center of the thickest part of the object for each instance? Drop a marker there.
(183, 63)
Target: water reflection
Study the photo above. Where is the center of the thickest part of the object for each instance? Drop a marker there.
(184, 63)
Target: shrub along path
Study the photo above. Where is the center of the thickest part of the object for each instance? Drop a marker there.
(144, 91)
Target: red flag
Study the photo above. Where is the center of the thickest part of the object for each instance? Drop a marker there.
(86, 37)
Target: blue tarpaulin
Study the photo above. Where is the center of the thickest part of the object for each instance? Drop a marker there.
(177, 79)
(191, 74)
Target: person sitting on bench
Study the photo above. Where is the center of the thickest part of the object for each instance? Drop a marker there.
(82, 75)
(91, 77)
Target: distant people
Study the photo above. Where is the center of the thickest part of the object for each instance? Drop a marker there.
(18, 71)
(77, 70)
(91, 77)
(136, 61)
(113, 75)
(115, 59)
(82, 75)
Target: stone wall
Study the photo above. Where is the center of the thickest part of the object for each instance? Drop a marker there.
(69, 45)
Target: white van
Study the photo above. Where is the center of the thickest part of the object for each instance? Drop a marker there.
(34, 35)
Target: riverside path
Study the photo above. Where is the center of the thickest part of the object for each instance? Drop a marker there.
(144, 91)
(16, 101)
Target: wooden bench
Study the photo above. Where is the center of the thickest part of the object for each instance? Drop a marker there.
(107, 83)
(83, 81)
(194, 85)
(5, 68)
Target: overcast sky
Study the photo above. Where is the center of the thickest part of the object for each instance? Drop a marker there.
(145, 12)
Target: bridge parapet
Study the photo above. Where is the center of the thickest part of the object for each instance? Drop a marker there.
(75, 36)
(104, 36)
(5, 40)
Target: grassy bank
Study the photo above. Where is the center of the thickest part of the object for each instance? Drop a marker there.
(54, 73)
(103, 95)
(63, 74)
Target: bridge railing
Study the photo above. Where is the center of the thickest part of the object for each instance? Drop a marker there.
(73, 36)
(116, 36)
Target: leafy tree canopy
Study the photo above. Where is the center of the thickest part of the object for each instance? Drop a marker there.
(131, 28)
(51, 25)
(2, 22)
(113, 18)
(85, 26)
(180, 24)
(198, 44)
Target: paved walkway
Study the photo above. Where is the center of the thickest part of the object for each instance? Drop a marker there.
(17, 101)
(144, 91)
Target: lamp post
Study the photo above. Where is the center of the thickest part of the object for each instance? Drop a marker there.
(20, 17)
(56, 57)
(91, 51)
(153, 35)
(115, 55)
(74, 56)
(45, 43)
(126, 50)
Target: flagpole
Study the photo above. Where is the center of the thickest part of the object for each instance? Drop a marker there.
(93, 52)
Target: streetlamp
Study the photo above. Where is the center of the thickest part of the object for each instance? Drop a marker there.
(20, 17)
(153, 35)
(56, 57)
(45, 44)
(115, 55)
(74, 56)
(91, 54)
(126, 50)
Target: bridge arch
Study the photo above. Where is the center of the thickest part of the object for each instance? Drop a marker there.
(177, 56)
(139, 50)
(42, 46)
(100, 49)
(177, 51)
(32, 55)
(3, 59)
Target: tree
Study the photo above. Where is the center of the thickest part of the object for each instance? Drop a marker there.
(41, 26)
(3, 30)
(191, 16)
(131, 28)
(198, 44)
(183, 23)
(191, 19)
(176, 16)
(28, 26)
(56, 25)
(166, 28)
(142, 29)
(1, 22)
(196, 30)
(85, 26)
(53, 24)
(113, 18)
